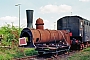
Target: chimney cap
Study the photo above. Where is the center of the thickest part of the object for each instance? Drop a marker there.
(39, 21)
(29, 10)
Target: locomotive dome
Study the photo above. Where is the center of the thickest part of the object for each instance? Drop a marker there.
(39, 21)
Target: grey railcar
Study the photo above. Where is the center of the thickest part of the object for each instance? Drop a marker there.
(78, 26)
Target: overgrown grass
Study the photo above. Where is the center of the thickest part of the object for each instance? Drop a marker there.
(10, 35)
(9, 54)
(83, 55)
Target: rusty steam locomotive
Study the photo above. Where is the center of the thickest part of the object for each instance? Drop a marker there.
(49, 41)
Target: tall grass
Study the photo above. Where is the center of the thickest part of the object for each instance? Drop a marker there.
(10, 38)
(8, 54)
(83, 55)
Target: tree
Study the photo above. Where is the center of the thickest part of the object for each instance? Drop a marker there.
(9, 34)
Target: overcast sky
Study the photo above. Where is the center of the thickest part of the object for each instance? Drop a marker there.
(49, 10)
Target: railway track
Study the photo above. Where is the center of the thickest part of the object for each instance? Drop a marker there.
(48, 57)
(26, 58)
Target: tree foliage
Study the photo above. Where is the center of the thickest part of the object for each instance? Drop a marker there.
(9, 33)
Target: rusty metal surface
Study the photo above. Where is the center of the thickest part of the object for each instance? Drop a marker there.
(67, 36)
(36, 35)
(40, 36)
(45, 36)
(39, 24)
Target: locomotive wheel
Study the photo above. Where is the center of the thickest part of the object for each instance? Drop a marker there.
(81, 46)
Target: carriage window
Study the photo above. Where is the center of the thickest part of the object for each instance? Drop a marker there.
(81, 24)
(89, 24)
(84, 22)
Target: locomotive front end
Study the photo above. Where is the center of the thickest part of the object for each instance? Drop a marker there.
(26, 33)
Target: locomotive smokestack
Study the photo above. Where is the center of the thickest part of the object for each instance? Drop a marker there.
(29, 14)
